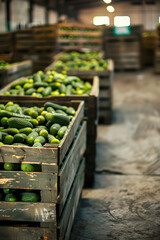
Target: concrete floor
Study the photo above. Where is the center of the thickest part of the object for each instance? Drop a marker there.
(124, 203)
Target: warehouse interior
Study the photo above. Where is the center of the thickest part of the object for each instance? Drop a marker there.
(95, 66)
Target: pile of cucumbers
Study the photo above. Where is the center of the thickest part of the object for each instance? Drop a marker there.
(34, 126)
(73, 55)
(13, 195)
(3, 64)
(51, 83)
(82, 65)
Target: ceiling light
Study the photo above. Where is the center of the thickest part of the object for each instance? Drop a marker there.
(110, 9)
(101, 20)
(107, 1)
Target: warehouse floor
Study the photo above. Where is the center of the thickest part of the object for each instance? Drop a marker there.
(124, 203)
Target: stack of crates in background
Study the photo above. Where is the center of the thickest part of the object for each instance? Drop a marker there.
(157, 52)
(124, 50)
(44, 39)
(76, 36)
(6, 46)
(23, 44)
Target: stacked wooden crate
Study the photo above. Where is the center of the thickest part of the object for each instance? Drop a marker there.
(14, 71)
(6, 46)
(124, 50)
(60, 183)
(23, 44)
(76, 36)
(157, 52)
(44, 39)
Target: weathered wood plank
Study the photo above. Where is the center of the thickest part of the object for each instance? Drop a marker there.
(28, 180)
(34, 212)
(68, 171)
(72, 203)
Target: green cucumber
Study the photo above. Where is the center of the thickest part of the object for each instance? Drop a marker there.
(47, 91)
(20, 82)
(8, 139)
(4, 121)
(37, 144)
(62, 131)
(40, 84)
(29, 197)
(69, 90)
(26, 167)
(62, 112)
(34, 122)
(71, 111)
(20, 138)
(31, 137)
(60, 118)
(55, 106)
(37, 78)
(39, 128)
(8, 190)
(50, 109)
(55, 128)
(11, 166)
(4, 113)
(11, 197)
(53, 139)
(41, 119)
(2, 136)
(11, 131)
(62, 88)
(26, 130)
(49, 124)
(30, 91)
(40, 139)
(19, 123)
(43, 133)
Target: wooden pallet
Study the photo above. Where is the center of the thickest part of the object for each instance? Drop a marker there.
(59, 185)
(14, 71)
(91, 110)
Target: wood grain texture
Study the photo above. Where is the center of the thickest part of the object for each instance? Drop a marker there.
(68, 171)
(21, 211)
(68, 215)
(27, 233)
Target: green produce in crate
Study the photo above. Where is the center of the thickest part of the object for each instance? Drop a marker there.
(3, 64)
(8, 190)
(29, 197)
(11, 166)
(73, 55)
(34, 126)
(26, 167)
(82, 65)
(11, 197)
(46, 84)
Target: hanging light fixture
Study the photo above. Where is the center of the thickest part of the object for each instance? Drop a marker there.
(107, 1)
(110, 9)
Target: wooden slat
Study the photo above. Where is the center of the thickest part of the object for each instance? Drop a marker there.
(72, 203)
(67, 173)
(70, 133)
(22, 211)
(28, 180)
(27, 233)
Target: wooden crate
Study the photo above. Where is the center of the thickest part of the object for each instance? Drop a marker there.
(91, 113)
(76, 36)
(59, 184)
(106, 81)
(14, 71)
(157, 52)
(125, 52)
